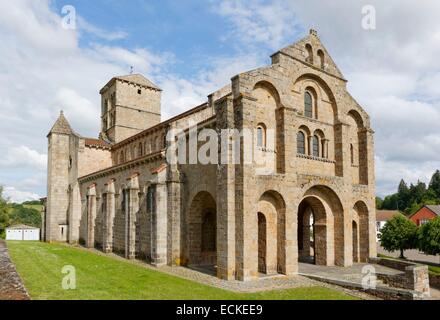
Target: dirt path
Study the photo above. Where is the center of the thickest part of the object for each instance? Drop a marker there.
(11, 287)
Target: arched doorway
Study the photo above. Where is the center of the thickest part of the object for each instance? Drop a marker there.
(312, 231)
(270, 241)
(262, 243)
(360, 212)
(202, 230)
(355, 241)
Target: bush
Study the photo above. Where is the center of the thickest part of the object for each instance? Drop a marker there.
(428, 237)
(399, 233)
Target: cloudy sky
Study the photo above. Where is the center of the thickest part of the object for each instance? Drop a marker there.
(190, 48)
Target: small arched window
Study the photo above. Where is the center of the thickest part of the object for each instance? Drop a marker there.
(309, 49)
(164, 141)
(261, 136)
(301, 143)
(315, 144)
(321, 59)
(140, 150)
(308, 105)
(352, 153)
(121, 157)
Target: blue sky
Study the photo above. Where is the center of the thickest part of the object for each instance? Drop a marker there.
(191, 48)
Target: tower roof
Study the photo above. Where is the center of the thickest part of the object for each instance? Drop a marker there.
(133, 78)
(61, 126)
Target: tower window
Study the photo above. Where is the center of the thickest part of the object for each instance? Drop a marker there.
(139, 91)
(301, 143)
(315, 143)
(261, 136)
(308, 105)
(321, 58)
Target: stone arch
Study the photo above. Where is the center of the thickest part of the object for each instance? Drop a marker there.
(267, 102)
(268, 86)
(361, 213)
(322, 90)
(272, 208)
(202, 230)
(358, 148)
(313, 221)
(334, 222)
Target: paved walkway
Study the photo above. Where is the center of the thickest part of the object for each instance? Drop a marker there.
(414, 255)
(354, 273)
(11, 287)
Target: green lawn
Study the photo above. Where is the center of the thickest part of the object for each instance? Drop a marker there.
(105, 278)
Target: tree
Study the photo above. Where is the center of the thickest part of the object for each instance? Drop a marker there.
(428, 237)
(399, 233)
(4, 216)
(403, 195)
(434, 184)
(22, 215)
(379, 203)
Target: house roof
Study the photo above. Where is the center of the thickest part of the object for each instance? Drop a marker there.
(434, 209)
(385, 215)
(20, 226)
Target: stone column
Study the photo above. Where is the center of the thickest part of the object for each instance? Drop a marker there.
(159, 225)
(245, 198)
(109, 214)
(325, 148)
(310, 145)
(91, 215)
(174, 186)
(225, 192)
(130, 216)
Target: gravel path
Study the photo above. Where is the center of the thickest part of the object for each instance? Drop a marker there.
(11, 286)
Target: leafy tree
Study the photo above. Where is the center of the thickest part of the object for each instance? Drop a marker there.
(379, 203)
(434, 184)
(399, 233)
(4, 216)
(390, 202)
(22, 215)
(403, 195)
(428, 237)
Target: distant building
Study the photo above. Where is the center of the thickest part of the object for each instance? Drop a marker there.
(382, 217)
(425, 214)
(22, 233)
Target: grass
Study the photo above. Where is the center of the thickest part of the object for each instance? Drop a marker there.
(104, 278)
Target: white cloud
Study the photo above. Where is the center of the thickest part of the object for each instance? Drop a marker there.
(88, 27)
(18, 196)
(24, 156)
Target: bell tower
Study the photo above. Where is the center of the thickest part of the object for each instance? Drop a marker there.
(129, 105)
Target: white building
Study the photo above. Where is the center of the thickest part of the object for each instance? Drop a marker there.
(22, 233)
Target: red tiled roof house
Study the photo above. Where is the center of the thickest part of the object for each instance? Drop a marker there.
(425, 214)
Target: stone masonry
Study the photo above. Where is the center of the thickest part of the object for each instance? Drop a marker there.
(308, 192)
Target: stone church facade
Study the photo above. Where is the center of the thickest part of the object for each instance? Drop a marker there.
(312, 199)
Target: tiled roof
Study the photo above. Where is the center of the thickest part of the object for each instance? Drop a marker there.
(435, 209)
(97, 143)
(385, 215)
(162, 167)
(138, 79)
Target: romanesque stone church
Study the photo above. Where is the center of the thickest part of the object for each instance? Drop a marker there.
(311, 200)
